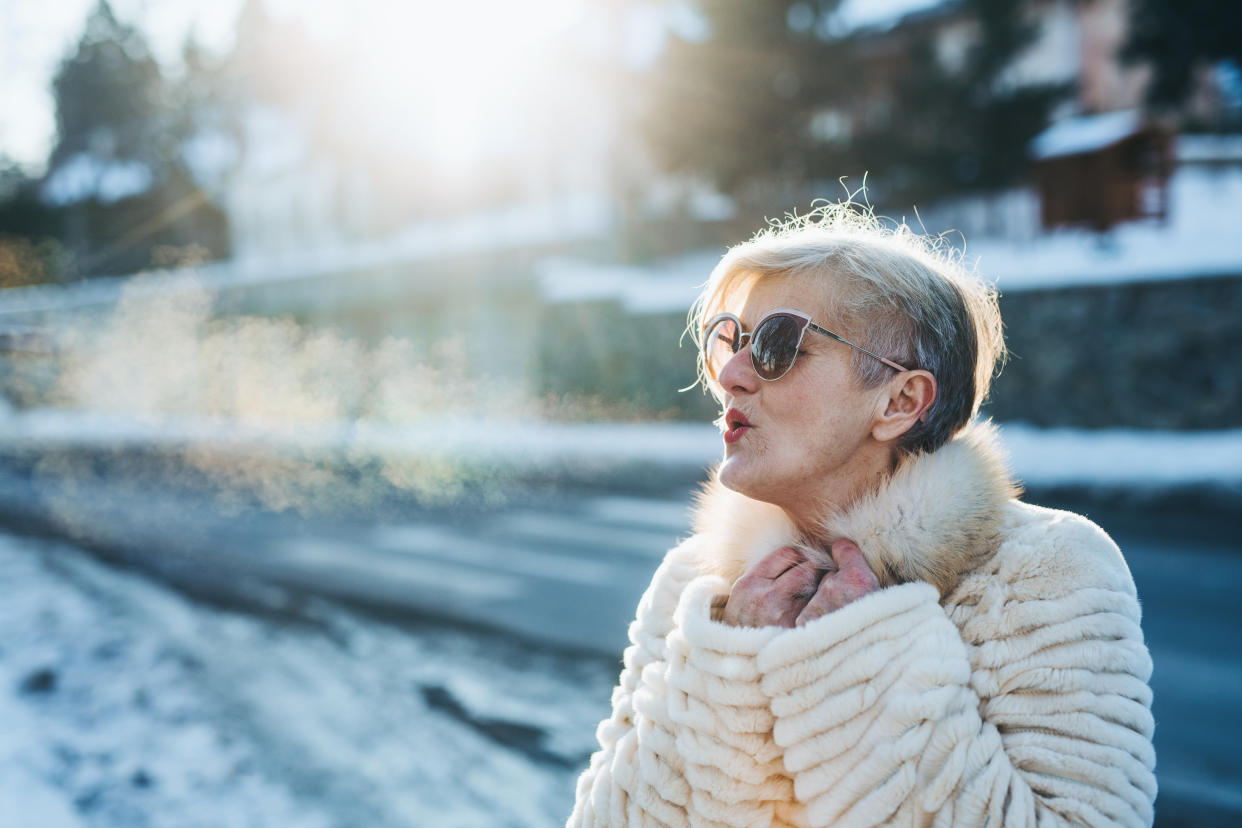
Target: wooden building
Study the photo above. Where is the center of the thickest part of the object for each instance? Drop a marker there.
(1097, 171)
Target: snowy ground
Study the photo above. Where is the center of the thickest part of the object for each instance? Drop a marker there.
(122, 703)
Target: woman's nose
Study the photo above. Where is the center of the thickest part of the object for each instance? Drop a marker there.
(738, 374)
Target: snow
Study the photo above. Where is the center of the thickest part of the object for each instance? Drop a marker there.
(879, 14)
(117, 732)
(1197, 241)
(25, 799)
(1086, 133)
(124, 704)
(1045, 457)
(84, 176)
(210, 154)
(563, 219)
(672, 284)
(1129, 458)
(1199, 149)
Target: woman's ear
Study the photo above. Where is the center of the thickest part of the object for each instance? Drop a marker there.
(910, 394)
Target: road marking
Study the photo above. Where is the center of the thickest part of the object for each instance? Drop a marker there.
(552, 526)
(333, 557)
(440, 543)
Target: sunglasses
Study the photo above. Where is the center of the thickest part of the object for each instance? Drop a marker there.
(774, 342)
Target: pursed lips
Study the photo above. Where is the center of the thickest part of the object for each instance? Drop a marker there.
(736, 425)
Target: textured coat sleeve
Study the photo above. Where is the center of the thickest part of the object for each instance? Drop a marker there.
(690, 724)
(1035, 711)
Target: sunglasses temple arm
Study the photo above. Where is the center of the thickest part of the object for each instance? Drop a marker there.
(898, 368)
(901, 369)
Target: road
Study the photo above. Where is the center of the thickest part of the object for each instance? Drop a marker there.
(566, 571)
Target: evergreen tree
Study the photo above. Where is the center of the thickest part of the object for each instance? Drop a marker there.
(114, 111)
(771, 96)
(735, 104)
(109, 94)
(959, 129)
(1179, 37)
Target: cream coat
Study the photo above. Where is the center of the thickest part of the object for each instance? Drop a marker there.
(999, 679)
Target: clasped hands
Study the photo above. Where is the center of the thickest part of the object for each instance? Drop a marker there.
(786, 590)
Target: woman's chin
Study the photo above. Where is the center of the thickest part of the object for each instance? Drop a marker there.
(734, 474)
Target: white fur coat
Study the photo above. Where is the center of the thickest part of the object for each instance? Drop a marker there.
(1000, 678)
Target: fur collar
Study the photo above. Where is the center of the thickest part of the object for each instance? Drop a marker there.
(934, 519)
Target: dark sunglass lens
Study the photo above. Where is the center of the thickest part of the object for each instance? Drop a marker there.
(720, 344)
(775, 345)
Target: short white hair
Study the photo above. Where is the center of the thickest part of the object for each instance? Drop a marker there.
(902, 295)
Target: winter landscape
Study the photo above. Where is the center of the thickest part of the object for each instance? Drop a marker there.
(346, 403)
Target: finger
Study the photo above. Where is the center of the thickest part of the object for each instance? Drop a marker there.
(851, 581)
(827, 598)
(777, 563)
(796, 587)
(773, 592)
(852, 565)
(758, 608)
(783, 575)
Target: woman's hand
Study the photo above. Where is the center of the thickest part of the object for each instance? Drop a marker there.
(786, 590)
(773, 592)
(852, 580)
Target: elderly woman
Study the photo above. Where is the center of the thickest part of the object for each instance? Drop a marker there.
(867, 627)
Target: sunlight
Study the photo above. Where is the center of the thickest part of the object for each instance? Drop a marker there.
(452, 78)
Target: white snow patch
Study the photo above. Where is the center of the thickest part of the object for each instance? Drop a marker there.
(1208, 149)
(670, 285)
(84, 176)
(1198, 240)
(210, 153)
(1086, 133)
(879, 14)
(121, 730)
(155, 710)
(25, 799)
(572, 216)
(1124, 457)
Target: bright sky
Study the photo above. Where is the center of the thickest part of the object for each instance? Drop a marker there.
(416, 48)
(36, 34)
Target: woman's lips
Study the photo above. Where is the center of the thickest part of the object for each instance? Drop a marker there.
(736, 425)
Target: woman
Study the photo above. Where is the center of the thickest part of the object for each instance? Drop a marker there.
(867, 627)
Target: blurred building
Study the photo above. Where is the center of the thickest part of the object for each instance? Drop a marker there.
(1076, 42)
(1100, 162)
(1097, 171)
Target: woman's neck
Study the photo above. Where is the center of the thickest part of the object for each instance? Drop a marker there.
(867, 476)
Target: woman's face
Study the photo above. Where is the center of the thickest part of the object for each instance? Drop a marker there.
(808, 443)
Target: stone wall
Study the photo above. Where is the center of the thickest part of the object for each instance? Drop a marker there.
(1140, 355)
